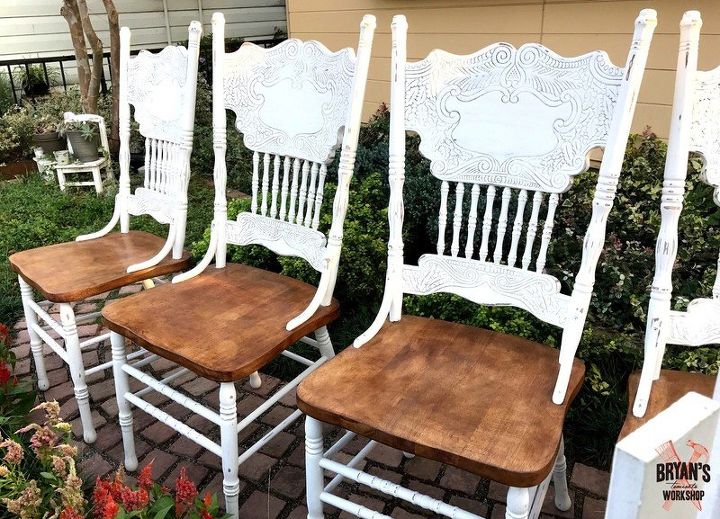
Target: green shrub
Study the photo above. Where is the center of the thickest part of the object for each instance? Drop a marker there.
(16, 132)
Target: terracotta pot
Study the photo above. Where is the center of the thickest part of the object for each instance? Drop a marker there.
(49, 142)
(84, 150)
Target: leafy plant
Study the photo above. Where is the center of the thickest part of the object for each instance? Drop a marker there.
(16, 397)
(34, 79)
(38, 475)
(87, 130)
(6, 94)
(16, 131)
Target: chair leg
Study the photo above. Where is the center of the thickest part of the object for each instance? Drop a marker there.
(229, 445)
(36, 344)
(97, 180)
(255, 380)
(61, 180)
(518, 503)
(562, 496)
(77, 370)
(122, 386)
(314, 479)
(324, 344)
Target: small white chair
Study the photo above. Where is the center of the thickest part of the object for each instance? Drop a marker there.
(295, 104)
(161, 87)
(644, 483)
(94, 167)
(696, 111)
(508, 124)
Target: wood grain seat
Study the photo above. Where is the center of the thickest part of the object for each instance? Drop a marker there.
(473, 398)
(668, 389)
(223, 324)
(76, 270)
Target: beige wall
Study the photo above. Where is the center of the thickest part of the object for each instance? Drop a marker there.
(463, 26)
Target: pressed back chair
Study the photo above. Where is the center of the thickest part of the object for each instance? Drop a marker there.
(161, 87)
(696, 111)
(517, 124)
(94, 167)
(295, 104)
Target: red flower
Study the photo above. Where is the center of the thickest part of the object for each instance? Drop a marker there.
(4, 373)
(145, 477)
(134, 500)
(203, 515)
(207, 500)
(185, 492)
(110, 509)
(69, 513)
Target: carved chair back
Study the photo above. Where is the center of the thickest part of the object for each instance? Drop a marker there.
(511, 126)
(295, 104)
(695, 127)
(161, 88)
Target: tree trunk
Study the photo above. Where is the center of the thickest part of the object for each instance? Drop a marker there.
(71, 13)
(93, 92)
(114, 25)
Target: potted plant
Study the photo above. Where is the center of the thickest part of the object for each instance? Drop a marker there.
(34, 80)
(46, 134)
(83, 138)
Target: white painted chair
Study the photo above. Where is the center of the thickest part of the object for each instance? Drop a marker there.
(643, 481)
(94, 167)
(696, 112)
(512, 125)
(295, 104)
(161, 87)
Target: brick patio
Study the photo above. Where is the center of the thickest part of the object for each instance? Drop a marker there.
(272, 481)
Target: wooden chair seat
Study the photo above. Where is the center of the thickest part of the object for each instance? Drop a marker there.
(223, 324)
(668, 389)
(462, 395)
(76, 270)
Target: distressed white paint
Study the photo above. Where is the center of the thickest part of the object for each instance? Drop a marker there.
(696, 111)
(339, 79)
(163, 195)
(438, 98)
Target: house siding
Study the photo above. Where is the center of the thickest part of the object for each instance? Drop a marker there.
(568, 27)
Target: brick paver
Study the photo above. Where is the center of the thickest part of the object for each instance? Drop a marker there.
(272, 484)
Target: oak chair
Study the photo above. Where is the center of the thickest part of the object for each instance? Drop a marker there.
(295, 104)
(485, 402)
(686, 432)
(161, 87)
(94, 167)
(695, 116)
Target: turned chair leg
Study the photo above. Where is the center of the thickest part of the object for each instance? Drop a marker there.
(61, 179)
(255, 380)
(36, 344)
(97, 180)
(324, 344)
(562, 496)
(77, 370)
(314, 479)
(518, 503)
(122, 387)
(229, 445)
